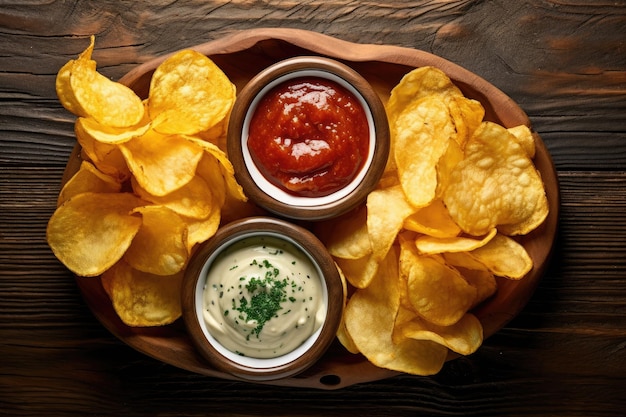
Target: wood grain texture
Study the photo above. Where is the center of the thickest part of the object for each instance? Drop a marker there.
(564, 62)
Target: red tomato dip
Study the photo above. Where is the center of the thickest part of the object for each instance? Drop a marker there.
(309, 136)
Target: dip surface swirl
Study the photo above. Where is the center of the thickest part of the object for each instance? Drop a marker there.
(263, 298)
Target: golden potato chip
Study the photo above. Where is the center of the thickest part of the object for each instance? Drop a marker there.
(109, 134)
(387, 210)
(448, 161)
(416, 84)
(193, 199)
(161, 163)
(160, 246)
(437, 292)
(90, 232)
(467, 115)
(342, 332)
(464, 337)
(141, 299)
(429, 245)
(463, 260)
(421, 136)
(106, 157)
(189, 94)
(200, 230)
(88, 179)
(209, 170)
(87, 93)
(232, 187)
(504, 257)
(346, 236)
(433, 220)
(359, 272)
(525, 138)
(496, 185)
(370, 317)
(484, 282)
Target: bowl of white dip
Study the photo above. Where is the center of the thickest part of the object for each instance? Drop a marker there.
(262, 299)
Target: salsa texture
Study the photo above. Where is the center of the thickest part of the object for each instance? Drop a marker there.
(309, 136)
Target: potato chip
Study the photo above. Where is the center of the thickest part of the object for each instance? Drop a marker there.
(504, 257)
(200, 230)
(421, 136)
(433, 220)
(108, 134)
(386, 211)
(160, 246)
(359, 272)
(194, 199)
(161, 163)
(484, 282)
(467, 115)
(189, 94)
(90, 232)
(88, 179)
(141, 299)
(370, 316)
(463, 260)
(346, 236)
(342, 332)
(496, 185)
(232, 187)
(464, 337)
(87, 93)
(418, 83)
(525, 138)
(437, 292)
(106, 157)
(448, 161)
(429, 245)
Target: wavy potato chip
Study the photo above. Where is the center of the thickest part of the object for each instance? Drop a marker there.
(200, 230)
(90, 232)
(421, 135)
(347, 236)
(370, 319)
(429, 245)
(232, 187)
(161, 163)
(87, 93)
(109, 134)
(88, 179)
(496, 185)
(194, 199)
(435, 291)
(464, 337)
(433, 220)
(484, 282)
(160, 246)
(189, 94)
(141, 299)
(525, 138)
(504, 257)
(416, 84)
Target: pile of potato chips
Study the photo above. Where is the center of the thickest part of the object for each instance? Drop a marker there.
(152, 184)
(419, 255)
(438, 229)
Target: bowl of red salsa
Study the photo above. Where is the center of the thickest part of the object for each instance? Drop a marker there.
(309, 138)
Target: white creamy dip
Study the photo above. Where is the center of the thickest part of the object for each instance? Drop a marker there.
(263, 297)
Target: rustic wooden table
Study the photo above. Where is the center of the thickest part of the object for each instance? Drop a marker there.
(564, 63)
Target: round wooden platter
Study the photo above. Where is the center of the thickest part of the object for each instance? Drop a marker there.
(244, 54)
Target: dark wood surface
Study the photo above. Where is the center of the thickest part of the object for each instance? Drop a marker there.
(563, 62)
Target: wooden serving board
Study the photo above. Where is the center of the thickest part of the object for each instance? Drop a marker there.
(244, 54)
